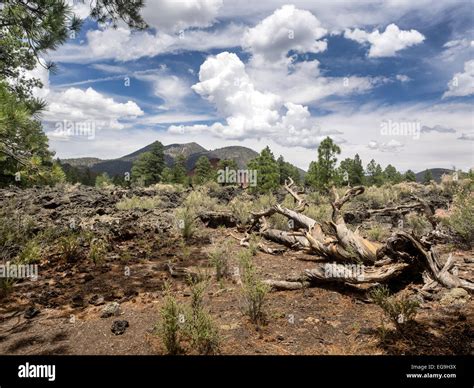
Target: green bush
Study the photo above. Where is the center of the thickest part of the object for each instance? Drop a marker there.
(254, 291)
(186, 223)
(69, 246)
(219, 259)
(169, 328)
(97, 250)
(136, 202)
(461, 220)
(399, 310)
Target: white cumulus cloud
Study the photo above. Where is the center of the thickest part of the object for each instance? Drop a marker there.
(462, 84)
(387, 43)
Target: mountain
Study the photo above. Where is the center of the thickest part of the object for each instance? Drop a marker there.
(192, 152)
(436, 172)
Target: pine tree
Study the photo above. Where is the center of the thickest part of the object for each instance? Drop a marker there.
(409, 176)
(321, 174)
(149, 165)
(427, 177)
(203, 170)
(287, 170)
(179, 170)
(374, 174)
(268, 176)
(392, 175)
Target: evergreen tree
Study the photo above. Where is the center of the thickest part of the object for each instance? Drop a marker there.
(203, 170)
(179, 170)
(374, 174)
(147, 168)
(392, 175)
(352, 170)
(409, 176)
(24, 156)
(321, 174)
(427, 177)
(287, 170)
(268, 176)
(167, 175)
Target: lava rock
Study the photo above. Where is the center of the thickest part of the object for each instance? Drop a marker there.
(78, 301)
(31, 312)
(111, 309)
(119, 327)
(96, 300)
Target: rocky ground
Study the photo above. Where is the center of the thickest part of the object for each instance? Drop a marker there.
(77, 306)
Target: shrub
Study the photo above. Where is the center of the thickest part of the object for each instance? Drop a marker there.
(97, 250)
(400, 311)
(219, 259)
(377, 233)
(69, 246)
(461, 220)
(30, 253)
(240, 209)
(169, 328)
(202, 332)
(254, 291)
(186, 224)
(136, 202)
(418, 223)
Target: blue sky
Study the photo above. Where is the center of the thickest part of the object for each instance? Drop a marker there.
(390, 80)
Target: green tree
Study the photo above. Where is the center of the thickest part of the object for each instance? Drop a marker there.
(321, 174)
(147, 168)
(287, 170)
(178, 171)
(31, 28)
(427, 177)
(203, 170)
(268, 176)
(351, 171)
(374, 174)
(24, 155)
(409, 176)
(392, 175)
(167, 175)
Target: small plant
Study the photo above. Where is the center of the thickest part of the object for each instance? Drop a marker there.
(203, 334)
(136, 202)
(399, 310)
(219, 259)
(186, 221)
(30, 253)
(418, 223)
(169, 328)
(461, 220)
(6, 285)
(254, 291)
(69, 246)
(97, 251)
(377, 233)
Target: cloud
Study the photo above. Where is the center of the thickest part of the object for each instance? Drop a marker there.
(303, 83)
(170, 88)
(387, 43)
(288, 28)
(123, 45)
(467, 136)
(437, 128)
(249, 112)
(76, 105)
(402, 78)
(390, 146)
(114, 69)
(456, 48)
(172, 15)
(462, 84)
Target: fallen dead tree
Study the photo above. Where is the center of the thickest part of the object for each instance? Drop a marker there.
(348, 256)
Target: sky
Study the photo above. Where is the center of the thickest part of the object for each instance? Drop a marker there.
(390, 80)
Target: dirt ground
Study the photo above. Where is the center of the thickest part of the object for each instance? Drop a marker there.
(318, 321)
